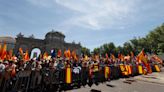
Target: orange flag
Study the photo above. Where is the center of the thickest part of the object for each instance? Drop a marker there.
(21, 51)
(140, 56)
(113, 57)
(121, 57)
(65, 54)
(7, 55)
(0, 49)
(4, 51)
(45, 55)
(59, 53)
(26, 56)
(74, 55)
(68, 53)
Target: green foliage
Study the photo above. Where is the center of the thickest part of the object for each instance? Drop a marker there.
(85, 51)
(152, 43)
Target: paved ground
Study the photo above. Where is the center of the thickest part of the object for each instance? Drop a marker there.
(145, 83)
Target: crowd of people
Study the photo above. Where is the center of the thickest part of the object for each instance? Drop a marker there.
(41, 71)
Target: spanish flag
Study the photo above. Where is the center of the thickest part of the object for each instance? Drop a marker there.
(65, 53)
(69, 53)
(68, 75)
(121, 57)
(4, 51)
(140, 56)
(45, 55)
(113, 57)
(59, 54)
(0, 49)
(26, 56)
(74, 56)
(107, 72)
(9, 54)
(21, 51)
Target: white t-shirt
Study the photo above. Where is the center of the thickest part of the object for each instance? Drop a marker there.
(2, 67)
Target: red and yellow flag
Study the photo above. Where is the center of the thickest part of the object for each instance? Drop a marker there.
(21, 51)
(59, 53)
(0, 49)
(74, 56)
(45, 55)
(140, 56)
(68, 78)
(26, 56)
(4, 51)
(113, 57)
(9, 54)
(69, 53)
(65, 54)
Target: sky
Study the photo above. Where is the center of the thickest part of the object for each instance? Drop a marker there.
(90, 22)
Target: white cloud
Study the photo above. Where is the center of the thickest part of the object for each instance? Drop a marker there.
(93, 14)
(98, 14)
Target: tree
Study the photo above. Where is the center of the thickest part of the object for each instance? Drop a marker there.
(96, 51)
(127, 48)
(85, 51)
(152, 42)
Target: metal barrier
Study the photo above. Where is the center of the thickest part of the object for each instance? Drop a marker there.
(22, 82)
(52, 79)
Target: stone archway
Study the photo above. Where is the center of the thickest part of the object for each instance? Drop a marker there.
(35, 52)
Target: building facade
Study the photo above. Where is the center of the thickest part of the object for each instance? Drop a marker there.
(9, 41)
(54, 40)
